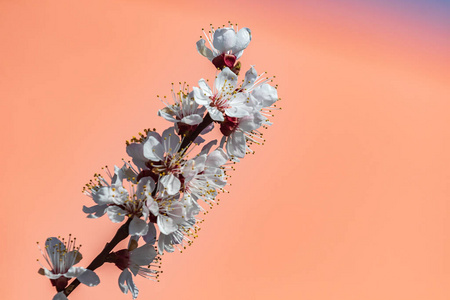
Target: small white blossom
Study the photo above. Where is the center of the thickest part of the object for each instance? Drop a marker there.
(239, 132)
(61, 257)
(185, 112)
(204, 175)
(159, 155)
(185, 232)
(224, 99)
(132, 262)
(262, 95)
(118, 203)
(226, 45)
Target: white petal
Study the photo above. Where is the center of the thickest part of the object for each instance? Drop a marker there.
(237, 111)
(200, 97)
(215, 114)
(193, 210)
(143, 255)
(236, 144)
(74, 272)
(60, 296)
(243, 38)
(251, 122)
(226, 80)
(203, 50)
(126, 283)
(145, 188)
(116, 214)
(95, 211)
(250, 77)
(134, 269)
(54, 245)
(166, 224)
(204, 87)
(199, 165)
(217, 158)
(165, 115)
(189, 171)
(102, 196)
(138, 227)
(192, 119)
(224, 39)
(73, 257)
(150, 237)
(118, 195)
(152, 149)
(136, 151)
(145, 212)
(129, 174)
(171, 184)
(50, 275)
(219, 180)
(153, 206)
(122, 278)
(118, 176)
(164, 244)
(238, 54)
(89, 278)
(171, 141)
(265, 94)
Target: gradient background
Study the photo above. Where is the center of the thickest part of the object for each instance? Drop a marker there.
(348, 199)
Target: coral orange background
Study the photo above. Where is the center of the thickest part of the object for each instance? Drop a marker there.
(348, 199)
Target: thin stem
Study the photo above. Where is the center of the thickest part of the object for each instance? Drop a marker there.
(121, 234)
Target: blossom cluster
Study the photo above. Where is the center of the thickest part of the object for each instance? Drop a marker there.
(169, 179)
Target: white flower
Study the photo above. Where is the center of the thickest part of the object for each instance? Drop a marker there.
(204, 175)
(61, 258)
(183, 232)
(239, 132)
(226, 44)
(132, 262)
(224, 98)
(185, 112)
(169, 212)
(104, 193)
(118, 203)
(262, 95)
(159, 156)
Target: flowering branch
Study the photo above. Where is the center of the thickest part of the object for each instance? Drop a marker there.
(161, 191)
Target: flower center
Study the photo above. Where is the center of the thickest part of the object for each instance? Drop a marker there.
(229, 126)
(171, 165)
(122, 259)
(221, 103)
(224, 60)
(60, 283)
